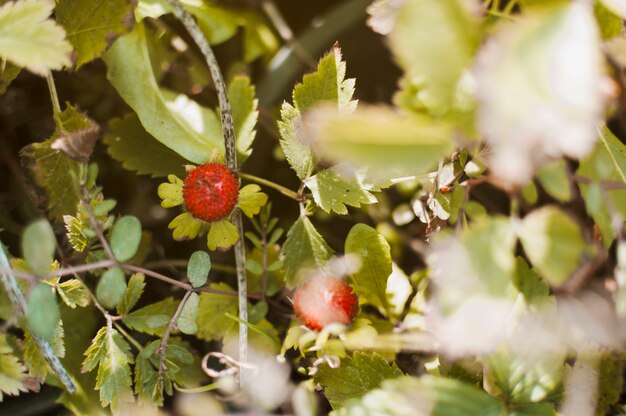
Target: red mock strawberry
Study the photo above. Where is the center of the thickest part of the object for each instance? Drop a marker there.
(324, 300)
(210, 192)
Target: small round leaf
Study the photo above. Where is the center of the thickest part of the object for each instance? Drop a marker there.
(126, 237)
(38, 245)
(198, 268)
(42, 311)
(111, 287)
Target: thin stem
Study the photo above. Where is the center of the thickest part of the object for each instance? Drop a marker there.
(54, 97)
(166, 336)
(182, 264)
(126, 335)
(230, 147)
(201, 389)
(66, 271)
(283, 190)
(159, 276)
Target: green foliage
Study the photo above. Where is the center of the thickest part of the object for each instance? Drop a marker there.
(134, 290)
(304, 248)
(355, 377)
(111, 287)
(332, 192)
(129, 143)
(187, 320)
(198, 268)
(185, 227)
(171, 193)
(12, 371)
(554, 179)
(125, 238)
(606, 162)
(73, 293)
(30, 39)
(251, 200)
(130, 72)
(152, 319)
(610, 24)
(34, 360)
(212, 309)
(93, 26)
(528, 282)
(244, 108)
(42, 311)
(38, 246)
(222, 235)
(542, 236)
(374, 254)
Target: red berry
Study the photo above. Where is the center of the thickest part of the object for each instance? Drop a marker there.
(210, 192)
(324, 300)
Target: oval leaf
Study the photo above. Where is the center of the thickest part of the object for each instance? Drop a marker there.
(42, 311)
(198, 268)
(125, 238)
(38, 245)
(111, 287)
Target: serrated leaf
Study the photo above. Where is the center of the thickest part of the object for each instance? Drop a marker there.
(93, 26)
(185, 227)
(152, 319)
(332, 191)
(243, 105)
(30, 39)
(606, 162)
(42, 311)
(222, 235)
(387, 143)
(354, 377)
(12, 371)
(73, 293)
(298, 154)
(251, 200)
(187, 320)
(38, 246)
(212, 321)
(129, 143)
(171, 192)
(448, 34)
(75, 233)
(114, 378)
(374, 253)
(198, 268)
(134, 290)
(96, 351)
(34, 360)
(111, 287)
(147, 384)
(129, 70)
(553, 243)
(554, 179)
(303, 248)
(53, 171)
(125, 238)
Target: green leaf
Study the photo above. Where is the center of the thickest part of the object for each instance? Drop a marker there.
(34, 359)
(354, 377)
(528, 282)
(185, 227)
(543, 236)
(212, 321)
(303, 248)
(29, 39)
(332, 191)
(374, 253)
(251, 200)
(326, 85)
(134, 290)
(611, 381)
(490, 243)
(125, 238)
(74, 293)
(152, 319)
(129, 70)
(53, 171)
(606, 162)
(610, 25)
(378, 138)
(129, 143)
(187, 320)
(38, 246)
(447, 34)
(93, 26)
(171, 192)
(222, 235)
(75, 232)
(198, 268)
(298, 154)
(12, 371)
(147, 384)
(243, 105)
(111, 287)
(554, 179)
(42, 311)
(114, 378)
(96, 351)
(7, 75)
